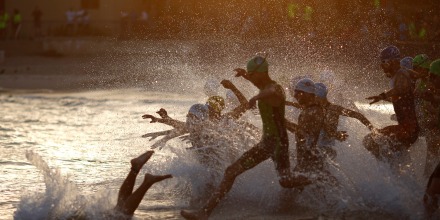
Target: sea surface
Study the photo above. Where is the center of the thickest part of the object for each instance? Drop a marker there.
(67, 151)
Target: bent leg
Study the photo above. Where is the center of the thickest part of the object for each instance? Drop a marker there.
(248, 160)
(127, 186)
(133, 201)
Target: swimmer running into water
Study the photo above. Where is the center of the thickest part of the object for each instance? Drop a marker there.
(332, 113)
(392, 142)
(129, 200)
(274, 143)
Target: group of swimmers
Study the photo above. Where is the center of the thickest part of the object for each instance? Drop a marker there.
(414, 93)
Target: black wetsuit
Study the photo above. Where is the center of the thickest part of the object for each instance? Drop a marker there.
(406, 131)
(311, 122)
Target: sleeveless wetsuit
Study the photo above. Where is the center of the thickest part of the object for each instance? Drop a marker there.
(275, 142)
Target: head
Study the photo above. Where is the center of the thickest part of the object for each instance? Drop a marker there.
(295, 80)
(434, 73)
(197, 113)
(304, 92)
(258, 71)
(321, 92)
(390, 60)
(421, 63)
(406, 63)
(215, 105)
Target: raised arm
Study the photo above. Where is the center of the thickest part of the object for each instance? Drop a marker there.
(239, 110)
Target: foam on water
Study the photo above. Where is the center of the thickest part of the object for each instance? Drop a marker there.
(366, 185)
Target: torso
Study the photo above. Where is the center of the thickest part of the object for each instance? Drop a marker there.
(273, 117)
(331, 121)
(404, 104)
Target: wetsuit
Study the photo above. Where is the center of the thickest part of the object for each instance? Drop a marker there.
(406, 131)
(397, 138)
(275, 142)
(330, 126)
(310, 122)
(427, 115)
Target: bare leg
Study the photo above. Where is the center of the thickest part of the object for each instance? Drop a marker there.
(135, 199)
(247, 161)
(127, 186)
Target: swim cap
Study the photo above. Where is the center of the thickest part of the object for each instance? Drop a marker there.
(199, 110)
(421, 60)
(407, 63)
(389, 53)
(305, 85)
(435, 67)
(257, 64)
(216, 103)
(295, 80)
(321, 90)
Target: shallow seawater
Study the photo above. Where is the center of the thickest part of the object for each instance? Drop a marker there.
(79, 145)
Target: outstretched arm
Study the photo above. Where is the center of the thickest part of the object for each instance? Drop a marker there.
(402, 86)
(165, 119)
(357, 115)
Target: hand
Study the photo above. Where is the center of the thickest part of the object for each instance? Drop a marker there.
(252, 102)
(227, 84)
(374, 98)
(162, 113)
(341, 135)
(153, 119)
(240, 72)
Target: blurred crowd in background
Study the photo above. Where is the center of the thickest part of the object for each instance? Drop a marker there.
(370, 20)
